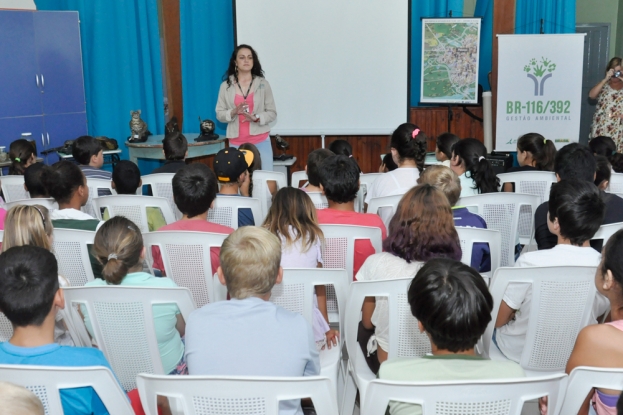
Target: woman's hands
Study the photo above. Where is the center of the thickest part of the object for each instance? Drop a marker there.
(241, 108)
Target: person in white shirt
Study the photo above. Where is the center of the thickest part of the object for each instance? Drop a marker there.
(575, 214)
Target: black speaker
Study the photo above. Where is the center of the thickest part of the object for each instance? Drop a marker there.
(500, 162)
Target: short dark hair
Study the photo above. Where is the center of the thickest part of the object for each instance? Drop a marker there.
(452, 302)
(342, 147)
(85, 147)
(175, 146)
(28, 284)
(389, 163)
(62, 180)
(602, 146)
(339, 176)
(617, 162)
(444, 143)
(579, 208)
(575, 161)
(604, 170)
(313, 162)
(126, 177)
(33, 179)
(194, 189)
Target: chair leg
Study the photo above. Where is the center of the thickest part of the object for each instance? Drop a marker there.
(350, 394)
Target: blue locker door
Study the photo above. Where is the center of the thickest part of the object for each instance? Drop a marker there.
(19, 93)
(62, 127)
(12, 128)
(57, 39)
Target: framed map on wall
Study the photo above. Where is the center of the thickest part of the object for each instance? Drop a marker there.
(450, 53)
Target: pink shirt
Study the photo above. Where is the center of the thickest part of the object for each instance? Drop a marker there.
(609, 406)
(243, 133)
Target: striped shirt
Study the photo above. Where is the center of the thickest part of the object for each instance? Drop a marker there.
(93, 173)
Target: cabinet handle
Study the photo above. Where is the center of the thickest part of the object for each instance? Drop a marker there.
(48, 134)
(42, 140)
(42, 81)
(37, 76)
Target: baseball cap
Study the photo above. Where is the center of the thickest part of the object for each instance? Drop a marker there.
(230, 163)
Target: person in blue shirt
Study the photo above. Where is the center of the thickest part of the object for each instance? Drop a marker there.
(231, 167)
(30, 297)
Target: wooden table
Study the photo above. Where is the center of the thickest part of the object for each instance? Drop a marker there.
(152, 148)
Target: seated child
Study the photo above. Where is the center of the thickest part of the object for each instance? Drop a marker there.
(388, 164)
(603, 172)
(118, 246)
(194, 191)
(341, 147)
(33, 181)
(30, 297)
(175, 149)
(126, 179)
(453, 306)
(575, 214)
(22, 154)
(249, 335)
(443, 147)
(602, 146)
(339, 181)
(256, 164)
(89, 154)
(231, 168)
(311, 168)
(469, 162)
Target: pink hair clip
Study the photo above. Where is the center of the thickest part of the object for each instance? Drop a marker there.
(415, 133)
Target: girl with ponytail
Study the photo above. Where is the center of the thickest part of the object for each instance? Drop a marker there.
(470, 163)
(118, 246)
(22, 155)
(534, 152)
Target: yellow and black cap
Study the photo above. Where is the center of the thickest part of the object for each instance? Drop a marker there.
(230, 163)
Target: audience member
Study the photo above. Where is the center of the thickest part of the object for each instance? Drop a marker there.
(602, 146)
(89, 153)
(575, 214)
(33, 181)
(339, 181)
(22, 154)
(421, 229)
(194, 191)
(256, 164)
(311, 168)
(603, 172)
(231, 168)
(341, 147)
(248, 335)
(453, 307)
(469, 162)
(617, 162)
(534, 152)
(292, 217)
(175, 149)
(387, 164)
(443, 147)
(30, 297)
(17, 400)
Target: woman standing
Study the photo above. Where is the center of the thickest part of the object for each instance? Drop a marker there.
(246, 104)
(608, 118)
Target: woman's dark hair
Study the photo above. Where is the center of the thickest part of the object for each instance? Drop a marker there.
(445, 142)
(603, 146)
(389, 163)
(604, 170)
(543, 150)
(117, 246)
(175, 146)
(452, 302)
(617, 163)
(20, 151)
(232, 71)
(33, 180)
(612, 254)
(342, 147)
(473, 154)
(256, 164)
(62, 180)
(423, 227)
(410, 143)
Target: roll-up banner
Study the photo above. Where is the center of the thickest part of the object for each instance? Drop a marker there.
(539, 88)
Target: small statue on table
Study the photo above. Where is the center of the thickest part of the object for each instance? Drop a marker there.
(207, 131)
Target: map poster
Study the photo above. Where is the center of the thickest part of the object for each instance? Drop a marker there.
(539, 88)
(450, 52)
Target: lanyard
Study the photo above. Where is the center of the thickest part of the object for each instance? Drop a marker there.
(244, 96)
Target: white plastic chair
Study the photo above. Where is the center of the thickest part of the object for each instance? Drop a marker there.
(72, 254)
(123, 324)
(162, 186)
(483, 397)
(187, 261)
(13, 188)
(133, 207)
(606, 231)
(366, 180)
(318, 199)
(405, 339)
(199, 395)
(582, 379)
(615, 186)
(47, 381)
(94, 185)
(501, 211)
(6, 328)
(298, 177)
(561, 305)
(47, 202)
(385, 207)
(225, 210)
(469, 236)
(260, 187)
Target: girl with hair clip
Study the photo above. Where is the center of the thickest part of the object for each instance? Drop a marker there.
(292, 217)
(534, 152)
(469, 162)
(421, 229)
(31, 225)
(22, 155)
(118, 246)
(603, 146)
(599, 345)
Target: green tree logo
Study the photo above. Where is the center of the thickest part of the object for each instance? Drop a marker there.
(539, 69)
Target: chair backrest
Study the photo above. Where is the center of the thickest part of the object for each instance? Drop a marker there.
(205, 395)
(561, 305)
(469, 236)
(298, 177)
(260, 187)
(123, 324)
(318, 199)
(366, 180)
(606, 231)
(94, 185)
(484, 397)
(6, 328)
(72, 253)
(225, 210)
(133, 207)
(387, 202)
(47, 381)
(187, 261)
(162, 186)
(13, 188)
(582, 379)
(47, 202)
(615, 186)
(501, 212)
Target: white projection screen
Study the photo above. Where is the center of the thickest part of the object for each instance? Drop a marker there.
(336, 67)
